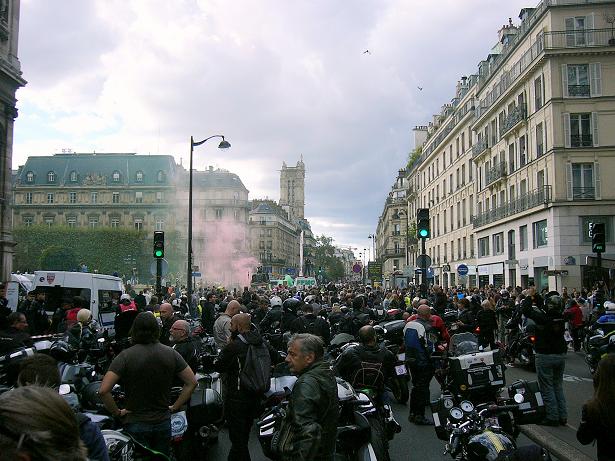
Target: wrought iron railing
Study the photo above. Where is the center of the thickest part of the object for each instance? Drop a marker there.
(540, 196)
(514, 116)
(578, 38)
(578, 90)
(479, 147)
(395, 252)
(581, 140)
(496, 172)
(583, 193)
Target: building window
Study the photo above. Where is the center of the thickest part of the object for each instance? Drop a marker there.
(237, 215)
(94, 197)
(138, 224)
(160, 176)
(29, 176)
(71, 221)
(159, 224)
(29, 198)
(139, 197)
(498, 243)
(219, 213)
(93, 221)
(115, 222)
(540, 146)
(73, 176)
(50, 198)
(583, 186)
(51, 177)
(72, 197)
(115, 198)
(539, 230)
(48, 220)
(576, 34)
(139, 176)
(483, 247)
(538, 93)
(159, 197)
(28, 221)
(576, 80)
(578, 130)
(115, 177)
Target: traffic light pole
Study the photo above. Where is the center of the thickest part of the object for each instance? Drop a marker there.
(423, 271)
(159, 279)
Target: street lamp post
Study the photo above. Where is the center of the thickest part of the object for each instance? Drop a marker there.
(372, 237)
(223, 145)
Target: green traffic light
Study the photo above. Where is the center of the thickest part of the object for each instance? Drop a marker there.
(158, 253)
(423, 233)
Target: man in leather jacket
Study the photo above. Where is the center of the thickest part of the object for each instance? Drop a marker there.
(183, 343)
(368, 364)
(309, 428)
(310, 323)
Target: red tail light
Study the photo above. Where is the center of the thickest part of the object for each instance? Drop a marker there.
(477, 330)
(533, 339)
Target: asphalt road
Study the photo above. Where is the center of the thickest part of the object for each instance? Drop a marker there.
(420, 442)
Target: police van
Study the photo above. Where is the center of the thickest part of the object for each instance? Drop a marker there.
(101, 292)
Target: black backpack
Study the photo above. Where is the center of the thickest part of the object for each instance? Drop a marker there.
(255, 375)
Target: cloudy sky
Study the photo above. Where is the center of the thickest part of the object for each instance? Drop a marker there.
(279, 78)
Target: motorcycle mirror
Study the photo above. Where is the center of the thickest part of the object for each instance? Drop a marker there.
(519, 398)
(64, 389)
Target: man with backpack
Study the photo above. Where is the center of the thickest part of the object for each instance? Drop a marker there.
(311, 323)
(246, 362)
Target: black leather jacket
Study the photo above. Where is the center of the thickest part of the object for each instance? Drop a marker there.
(354, 359)
(310, 323)
(312, 415)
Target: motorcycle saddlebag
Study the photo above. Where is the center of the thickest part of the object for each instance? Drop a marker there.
(532, 410)
(477, 371)
(205, 408)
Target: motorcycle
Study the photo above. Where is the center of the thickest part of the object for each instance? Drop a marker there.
(521, 343)
(360, 435)
(391, 335)
(598, 345)
(474, 433)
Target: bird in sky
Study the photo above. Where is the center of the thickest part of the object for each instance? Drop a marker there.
(366, 52)
(420, 88)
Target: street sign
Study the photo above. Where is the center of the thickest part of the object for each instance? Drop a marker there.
(550, 273)
(165, 268)
(357, 268)
(423, 260)
(374, 270)
(197, 274)
(462, 269)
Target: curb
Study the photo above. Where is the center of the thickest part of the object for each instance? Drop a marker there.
(556, 446)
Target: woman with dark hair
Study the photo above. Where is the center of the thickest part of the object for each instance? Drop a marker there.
(146, 371)
(37, 424)
(597, 422)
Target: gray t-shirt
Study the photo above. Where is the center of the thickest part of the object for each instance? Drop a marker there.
(222, 330)
(146, 374)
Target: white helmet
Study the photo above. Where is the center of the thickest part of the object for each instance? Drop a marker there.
(609, 306)
(275, 301)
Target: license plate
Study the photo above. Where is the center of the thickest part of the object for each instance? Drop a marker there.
(179, 424)
(401, 357)
(400, 370)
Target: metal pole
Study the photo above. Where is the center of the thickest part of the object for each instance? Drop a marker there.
(159, 278)
(189, 274)
(599, 264)
(423, 270)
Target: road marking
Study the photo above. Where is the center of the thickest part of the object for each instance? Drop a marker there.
(576, 379)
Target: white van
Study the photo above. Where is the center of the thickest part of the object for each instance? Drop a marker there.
(102, 292)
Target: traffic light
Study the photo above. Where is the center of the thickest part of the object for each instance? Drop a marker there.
(598, 237)
(422, 223)
(158, 244)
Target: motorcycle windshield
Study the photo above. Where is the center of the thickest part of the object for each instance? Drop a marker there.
(463, 343)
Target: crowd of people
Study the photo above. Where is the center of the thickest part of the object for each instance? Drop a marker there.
(241, 321)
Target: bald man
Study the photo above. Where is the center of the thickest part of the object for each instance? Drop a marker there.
(240, 406)
(222, 325)
(168, 318)
(184, 344)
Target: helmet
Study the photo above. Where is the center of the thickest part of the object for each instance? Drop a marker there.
(292, 305)
(504, 294)
(309, 299)
(609, 306)
(61, 351)
(275, 301)
(125, 296)
(493, 446)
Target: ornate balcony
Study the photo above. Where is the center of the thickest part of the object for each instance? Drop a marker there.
(481, 146)
(583, 193)
(497, 172)
(399, 252)
(515, 116)
(537, 197)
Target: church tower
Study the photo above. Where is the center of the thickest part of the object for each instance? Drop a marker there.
(292, 189)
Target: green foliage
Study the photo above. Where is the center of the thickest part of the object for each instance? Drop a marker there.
(414, 155)
(58, 258)
(324, 257)
(105, 250)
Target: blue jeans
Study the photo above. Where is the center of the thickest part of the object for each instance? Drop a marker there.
(550, 371)
(156, 436)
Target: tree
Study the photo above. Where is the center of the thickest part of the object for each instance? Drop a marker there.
(58, 258)
(325, 263)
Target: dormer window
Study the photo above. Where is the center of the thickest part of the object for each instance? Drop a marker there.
(51, 177)
(161, 176)
(73, 176)
(139, 176)
(29, 176)
(115, 177)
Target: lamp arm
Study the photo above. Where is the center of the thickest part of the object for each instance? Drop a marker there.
(198, 143)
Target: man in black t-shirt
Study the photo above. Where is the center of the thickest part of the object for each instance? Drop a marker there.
(146, 371)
